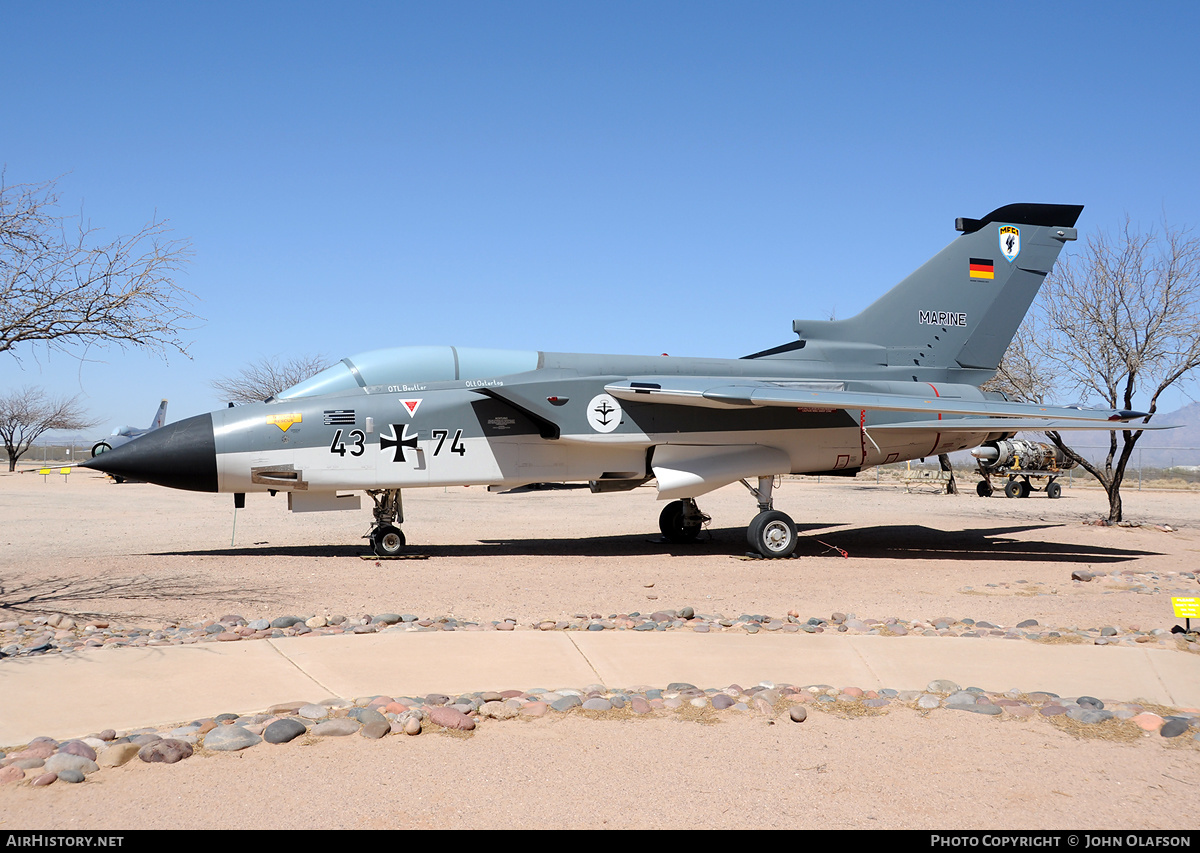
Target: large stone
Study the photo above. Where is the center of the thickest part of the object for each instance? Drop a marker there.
(337, 727)
(374, 724)
(1088, 715)
(165, 751)
(566, 703)
(366, 715)
(1173, 727)
(61, 761)
(283, 731)
(117, 755)
(38, 749)
(721, 701)
(498, 710)
(230, 739)
(450, 718)
(78, 747)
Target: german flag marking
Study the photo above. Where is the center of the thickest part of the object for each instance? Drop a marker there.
(982, 268)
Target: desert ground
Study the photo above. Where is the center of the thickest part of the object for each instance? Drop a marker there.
(144, 556)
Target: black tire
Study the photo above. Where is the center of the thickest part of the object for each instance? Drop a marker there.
(772, 534)
(671, 523)
(387, 541)
(1012, 489)
(983, 488)
(1053, 491)
(1026, 489)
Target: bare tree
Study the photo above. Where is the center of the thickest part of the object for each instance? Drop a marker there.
(26, 414)
(1118, 323)
(1024, 373)
(268, 376)
(62, 286)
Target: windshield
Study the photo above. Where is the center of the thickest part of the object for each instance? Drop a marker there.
(399, 365)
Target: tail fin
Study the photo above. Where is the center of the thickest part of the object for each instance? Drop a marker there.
(961, 308)
(160, 417)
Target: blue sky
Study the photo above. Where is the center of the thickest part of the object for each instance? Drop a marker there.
(609, 177)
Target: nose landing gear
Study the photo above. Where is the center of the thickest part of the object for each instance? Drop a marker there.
(387, 539)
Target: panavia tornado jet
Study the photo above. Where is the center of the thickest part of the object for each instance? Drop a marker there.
(898, 381)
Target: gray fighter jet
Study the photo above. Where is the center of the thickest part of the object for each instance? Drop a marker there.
(125, 434)
(898, 381)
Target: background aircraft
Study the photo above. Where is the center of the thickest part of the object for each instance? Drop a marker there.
(125, 434)
(898, 381)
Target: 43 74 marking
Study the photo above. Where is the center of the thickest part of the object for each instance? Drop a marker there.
(357, 442)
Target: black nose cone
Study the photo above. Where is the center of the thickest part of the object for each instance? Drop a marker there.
(182, 455)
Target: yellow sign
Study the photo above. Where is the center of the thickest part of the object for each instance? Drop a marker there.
(284, 421)
(64, 470)
(1186, 608)
(43, 471)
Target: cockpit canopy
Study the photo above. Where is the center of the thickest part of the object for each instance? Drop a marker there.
(406, 365)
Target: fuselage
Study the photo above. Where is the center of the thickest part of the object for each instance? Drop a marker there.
(552, 423)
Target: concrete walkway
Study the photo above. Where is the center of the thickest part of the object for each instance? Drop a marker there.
(75, 694)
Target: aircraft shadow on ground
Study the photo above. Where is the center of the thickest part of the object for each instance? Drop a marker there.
(917, 542)
(898, 542)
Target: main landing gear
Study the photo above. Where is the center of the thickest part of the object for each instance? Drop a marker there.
(387, 539)
(771, 533)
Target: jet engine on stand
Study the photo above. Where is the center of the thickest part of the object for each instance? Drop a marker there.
(1021, 461)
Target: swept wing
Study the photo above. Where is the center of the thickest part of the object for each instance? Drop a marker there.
(968, 415)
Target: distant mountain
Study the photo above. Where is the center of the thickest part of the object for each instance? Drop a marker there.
(1156, 449)
(1170, 447)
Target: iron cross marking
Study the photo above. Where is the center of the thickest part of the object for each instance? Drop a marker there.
(405, 440)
